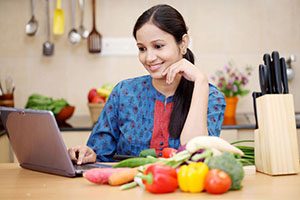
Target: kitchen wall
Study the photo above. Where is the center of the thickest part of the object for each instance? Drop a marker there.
(221, 31)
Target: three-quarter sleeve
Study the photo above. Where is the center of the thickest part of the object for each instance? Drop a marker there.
(215, 113)
(105, 134)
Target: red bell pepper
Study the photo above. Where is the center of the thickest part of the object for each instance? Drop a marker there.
(160, 179)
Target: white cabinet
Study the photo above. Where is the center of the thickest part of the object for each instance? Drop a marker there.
(71, 139)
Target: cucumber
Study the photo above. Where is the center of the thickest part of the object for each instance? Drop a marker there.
(135, 162)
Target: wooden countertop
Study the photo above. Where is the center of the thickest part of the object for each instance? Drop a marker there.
(18, 183)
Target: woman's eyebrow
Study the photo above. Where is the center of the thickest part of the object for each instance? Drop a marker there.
(153, 41)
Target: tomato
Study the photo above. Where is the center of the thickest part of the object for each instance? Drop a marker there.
(217, 182)
(168, 152)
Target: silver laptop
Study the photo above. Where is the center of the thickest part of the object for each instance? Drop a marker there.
(38, 143)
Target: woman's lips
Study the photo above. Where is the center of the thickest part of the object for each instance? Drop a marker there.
(154, 67)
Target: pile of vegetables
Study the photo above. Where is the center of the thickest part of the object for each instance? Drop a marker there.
(205, 163)
(41, 102)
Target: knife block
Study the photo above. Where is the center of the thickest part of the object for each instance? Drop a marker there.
(276, 146)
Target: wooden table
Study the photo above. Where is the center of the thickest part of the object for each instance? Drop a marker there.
(18, 183)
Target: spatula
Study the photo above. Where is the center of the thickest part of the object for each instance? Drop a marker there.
(94, 38)
(58, 19)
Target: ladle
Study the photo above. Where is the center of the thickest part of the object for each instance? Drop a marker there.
(82, 30)
(32, 25)
(48, 46)
(74, 36)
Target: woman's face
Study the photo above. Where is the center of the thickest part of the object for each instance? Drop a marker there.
(157, 49)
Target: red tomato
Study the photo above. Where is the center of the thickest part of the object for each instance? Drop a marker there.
(168, 152)
(217, 182)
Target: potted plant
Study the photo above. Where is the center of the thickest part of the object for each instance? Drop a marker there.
(232, 82)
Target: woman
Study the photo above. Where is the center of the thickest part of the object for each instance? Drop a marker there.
(166, 108)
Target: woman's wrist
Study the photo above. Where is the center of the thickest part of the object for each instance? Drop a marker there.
(201, 80)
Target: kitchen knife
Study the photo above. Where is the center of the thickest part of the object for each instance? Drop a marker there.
(267, 61)
(284, 76)
(263, 79)
(254, 96)
(276, 72)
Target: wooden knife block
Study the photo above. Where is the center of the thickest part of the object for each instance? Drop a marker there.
(276, 146)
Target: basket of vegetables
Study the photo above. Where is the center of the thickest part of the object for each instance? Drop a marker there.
(97, 99)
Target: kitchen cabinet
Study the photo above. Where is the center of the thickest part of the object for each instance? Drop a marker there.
(71, 139)
(5, 150)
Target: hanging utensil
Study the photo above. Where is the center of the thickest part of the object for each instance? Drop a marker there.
(48, 46)
(82, 30)
(58, 19)
(32, 25)
(74, 36)
(94, 38)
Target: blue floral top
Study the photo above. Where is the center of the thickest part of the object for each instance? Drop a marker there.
(136, 117)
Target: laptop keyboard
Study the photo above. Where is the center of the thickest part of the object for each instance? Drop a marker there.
(90, 166)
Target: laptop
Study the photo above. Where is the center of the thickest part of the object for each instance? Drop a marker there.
(38, 144)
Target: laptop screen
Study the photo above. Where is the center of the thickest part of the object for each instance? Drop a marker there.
(37, 141)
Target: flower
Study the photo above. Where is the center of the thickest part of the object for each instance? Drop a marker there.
(231, 81)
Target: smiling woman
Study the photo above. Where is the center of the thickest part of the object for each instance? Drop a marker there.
(166, 108)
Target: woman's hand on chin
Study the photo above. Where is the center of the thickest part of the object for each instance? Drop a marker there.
(186, 69)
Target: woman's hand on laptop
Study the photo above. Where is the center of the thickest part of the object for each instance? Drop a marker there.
(82, 154)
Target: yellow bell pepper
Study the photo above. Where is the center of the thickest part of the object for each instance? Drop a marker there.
(191, 177)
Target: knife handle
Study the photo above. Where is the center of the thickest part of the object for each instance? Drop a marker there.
(277, 72)
(284, 76)
(254, 96)
(262, 79)
(267, 62)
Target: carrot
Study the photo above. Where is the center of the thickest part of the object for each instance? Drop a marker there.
(121, 177)
(100, 175)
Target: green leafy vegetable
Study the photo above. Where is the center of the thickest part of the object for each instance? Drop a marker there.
(40, 102)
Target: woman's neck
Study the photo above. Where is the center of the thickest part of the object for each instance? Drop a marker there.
(166, 89)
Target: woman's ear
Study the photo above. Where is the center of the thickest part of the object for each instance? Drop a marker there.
(184, 43)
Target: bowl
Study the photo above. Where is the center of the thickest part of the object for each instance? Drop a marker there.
(95, 110)
(65, 113)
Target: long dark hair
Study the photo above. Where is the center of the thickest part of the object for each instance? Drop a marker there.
(171, 21)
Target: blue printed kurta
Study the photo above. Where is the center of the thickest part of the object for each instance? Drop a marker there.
(133, 113)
